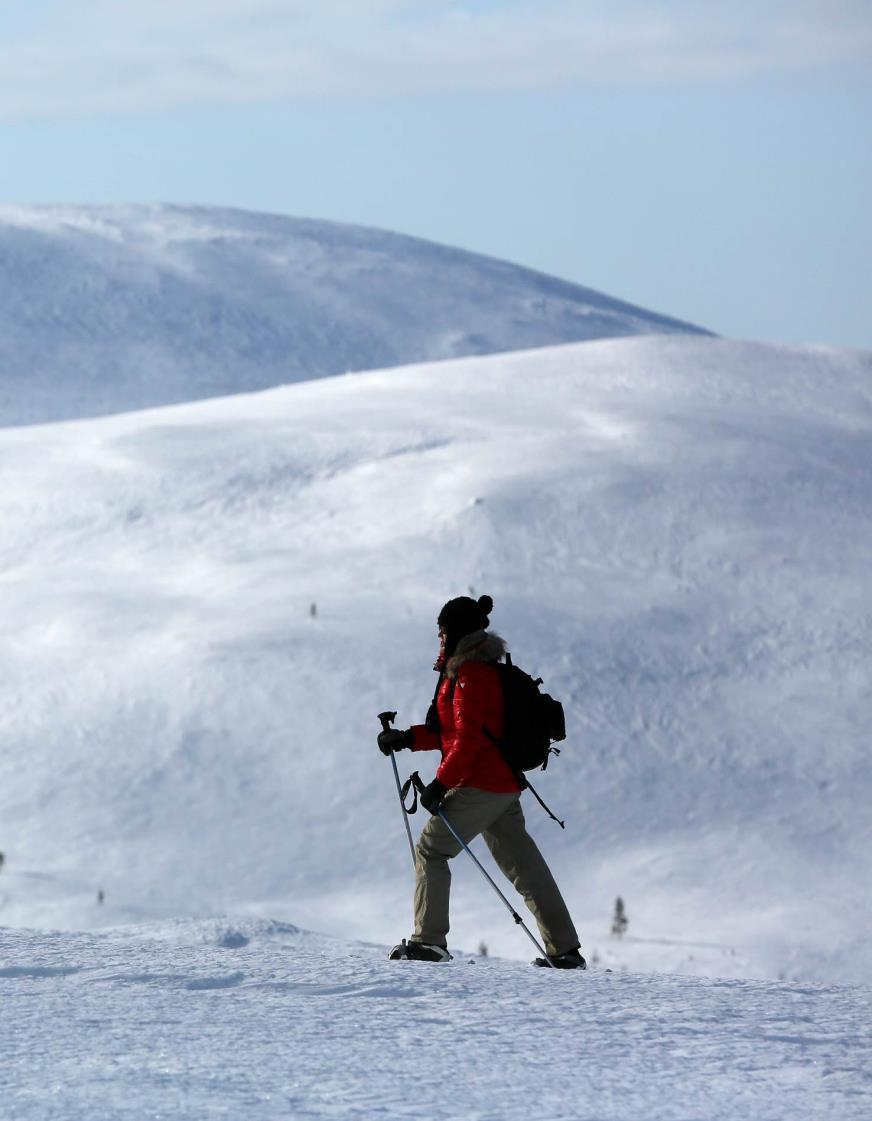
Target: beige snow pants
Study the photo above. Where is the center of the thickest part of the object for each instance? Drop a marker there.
(500, 820)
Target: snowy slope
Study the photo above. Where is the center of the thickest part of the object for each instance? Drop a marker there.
(261, 1020)
(677, 536)
(105, 309)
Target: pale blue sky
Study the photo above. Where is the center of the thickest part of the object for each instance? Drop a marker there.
(712, 162)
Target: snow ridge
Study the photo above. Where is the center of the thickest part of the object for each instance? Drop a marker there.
(113, 308)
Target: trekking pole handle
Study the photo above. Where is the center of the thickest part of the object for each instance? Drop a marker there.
(387, 718)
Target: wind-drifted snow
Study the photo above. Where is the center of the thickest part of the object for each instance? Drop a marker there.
(677, 536)
(106, 309)
(262, 1020)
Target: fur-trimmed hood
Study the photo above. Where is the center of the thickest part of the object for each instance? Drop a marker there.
(480, 646)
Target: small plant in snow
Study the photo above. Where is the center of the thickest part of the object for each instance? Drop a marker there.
(620, 922)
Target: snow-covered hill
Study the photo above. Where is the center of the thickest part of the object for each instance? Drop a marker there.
(106, 309)
(264, 1021)
(677, 536)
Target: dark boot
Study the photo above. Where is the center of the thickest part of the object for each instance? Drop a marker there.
(572, 959)
(418, 951)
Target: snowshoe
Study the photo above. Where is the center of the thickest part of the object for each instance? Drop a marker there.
(572, 959)
(418, 951)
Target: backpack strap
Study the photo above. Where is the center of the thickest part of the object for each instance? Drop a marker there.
(529, 786)
(431, 721)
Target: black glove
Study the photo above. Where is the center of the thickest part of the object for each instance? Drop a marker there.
(392, 739)
(432, 795)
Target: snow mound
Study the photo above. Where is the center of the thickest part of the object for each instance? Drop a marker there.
(207, 606)
(106, 309)
(221, 930)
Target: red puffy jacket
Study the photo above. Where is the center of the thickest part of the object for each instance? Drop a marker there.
(468, 703)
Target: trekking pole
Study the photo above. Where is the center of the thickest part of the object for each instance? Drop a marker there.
(386, 718)
(489, 879)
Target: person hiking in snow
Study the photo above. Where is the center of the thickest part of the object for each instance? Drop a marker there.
(477, 790)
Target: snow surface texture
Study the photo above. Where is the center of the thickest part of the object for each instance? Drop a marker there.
(677, 536)
(107, 309)
(261, 1020)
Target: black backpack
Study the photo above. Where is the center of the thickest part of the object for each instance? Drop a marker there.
(532, 720)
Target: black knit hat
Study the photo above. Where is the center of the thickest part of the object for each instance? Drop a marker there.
(462, 616)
